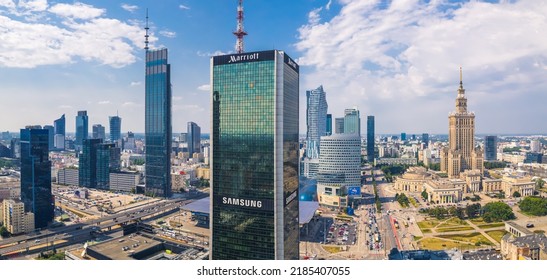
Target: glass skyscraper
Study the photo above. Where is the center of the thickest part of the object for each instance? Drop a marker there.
(115, 128)
(490, 147)
(370, 139)
(158, 124)
(51, 136)
(82, 128)
(425, 139)
(339, 125)
(194, 138)
(98, 131)
(329, 124)
(254, 143)
(316, 120)
(60, 132)
(352, 121)
(87, 167)
(36, 175)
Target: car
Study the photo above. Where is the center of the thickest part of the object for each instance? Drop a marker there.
(37, 241)
(529, 225)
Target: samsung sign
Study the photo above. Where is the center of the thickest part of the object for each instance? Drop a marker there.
(256, 204)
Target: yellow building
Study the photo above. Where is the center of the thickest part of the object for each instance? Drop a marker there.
(413, 179)
(461, 154)
(472, 179)
(204, 173)
(444, 191)
(523, 185)
(14, 217)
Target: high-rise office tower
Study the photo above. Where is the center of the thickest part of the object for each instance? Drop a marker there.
(535, 146)
(50, 137)
(115, 128)
(461, 154)
(403, 136)
(158, 123)
(425, 139)
(129, 142)
(339, 125)
(370, 138)
(82, 129)
(87, 167)
(36, 175)
(254, 164)
(15, 147)
(194, 138)
(340, 164)
(329, 124)
(490, 147)
(316, 120)
(352, 121)
(96, 161)
(98, 131)
(60, 132)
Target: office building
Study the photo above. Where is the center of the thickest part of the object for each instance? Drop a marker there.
(316, 120)
(82, 127)
(68, 176)
(50, 137)
(158, 123)
(4, 151)
(88, 163)
(370, 138)
(60, 132)
(461, 154)
(329, 124)
(403, 136)
(425, 139)
(352, 121)
(183, 138)
(129, 142)
(254, 163)
(15, 147)
(98, 132)
(535, 146)
(36, 175)
(115, 128)
(339, 125)
(490, 147)
(14, 217)
(124, 181)
(194, 138)
(96, 162)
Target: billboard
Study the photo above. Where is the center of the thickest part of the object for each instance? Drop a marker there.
(354, 190)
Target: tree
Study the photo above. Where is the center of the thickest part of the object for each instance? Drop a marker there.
(460, 213)
(4, 231)
(539, 184)
(435, 166)
(402, 199)
(472, 210)
(533, 205)
(497, 211)
(425, 195)
(516, 194)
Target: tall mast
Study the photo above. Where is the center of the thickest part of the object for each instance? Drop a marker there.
(146, 28)
(239, 33)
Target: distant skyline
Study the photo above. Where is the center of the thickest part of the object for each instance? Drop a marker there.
(396, 60)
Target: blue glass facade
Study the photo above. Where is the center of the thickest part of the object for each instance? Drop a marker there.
(352, 121)
(88, 163)
(60, 125)
(36, 176)
(82, 128)
(194, 138)
(158, 124)
(329, 124)
(370, 138)
(254, 147)
(490, 147)
(115, 128)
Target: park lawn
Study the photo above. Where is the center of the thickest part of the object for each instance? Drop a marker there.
(431, 223)
(426, 230)
(491, 225)
(450, 229)
(452, 222)
(432, 243)
(413, 201)
(478, 221)
(416, 238)
(333, 249)
(469, 237)
(497, 234)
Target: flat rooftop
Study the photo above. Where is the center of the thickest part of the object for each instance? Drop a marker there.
(113, 249)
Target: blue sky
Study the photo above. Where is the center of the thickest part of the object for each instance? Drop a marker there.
(396, 60)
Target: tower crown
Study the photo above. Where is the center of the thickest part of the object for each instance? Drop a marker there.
(461, 100)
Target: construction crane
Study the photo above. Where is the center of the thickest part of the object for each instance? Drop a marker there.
(239, 33)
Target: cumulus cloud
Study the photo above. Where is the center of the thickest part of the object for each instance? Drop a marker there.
(374, 53)
(209, 54)
(129, 8)
(205, 87)
(83, 33)
(168, 34)
(134, 84)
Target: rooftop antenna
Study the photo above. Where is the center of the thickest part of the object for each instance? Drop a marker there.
(239, 33)
(146, 28)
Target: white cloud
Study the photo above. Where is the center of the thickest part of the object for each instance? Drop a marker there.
(76, 10)
(104, 102)
(372, 54)
(327, 7)
(209, 54)
(131, 104)
(7, 4)
(129, 8)
(134, 84)
(33, 5)
(83, 34)
(182, 7)
(205, 87)
(168, 34)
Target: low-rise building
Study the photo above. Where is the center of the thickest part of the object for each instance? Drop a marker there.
(444, 191)
(14, 217)
(124, 181)
(523, 185)
(413, 179)
(68, 176)
(203, 173)
(527, 247)
(396, 161)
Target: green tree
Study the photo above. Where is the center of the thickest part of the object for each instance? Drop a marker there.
(497, 211)
(460, 213)
(402, 199)
(539, 184)
(516, 194)
(494, 164)
(472, 210)
(534, 205)
(4, 231)
(425, 195)
(435, 166)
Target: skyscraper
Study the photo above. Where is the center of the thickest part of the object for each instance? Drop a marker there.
(115, 128)
(95, 163)
(194, 138)
(36, 175)
(50, 137)
(87, 167)
(461, 154)
(425, 139)
(370, 138)
(254, 165)
(60, 132)
(403, 136)
(329, 124)
(352, 121)
(316, 120)
(158, 123)
(339, 125)
(82, 129)
(490, 147)
(98, 131)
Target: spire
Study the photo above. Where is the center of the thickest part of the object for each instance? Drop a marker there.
(239, 33)
(146, 28)
(461, 78)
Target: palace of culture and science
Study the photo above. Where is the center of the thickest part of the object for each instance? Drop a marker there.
(463, 163)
